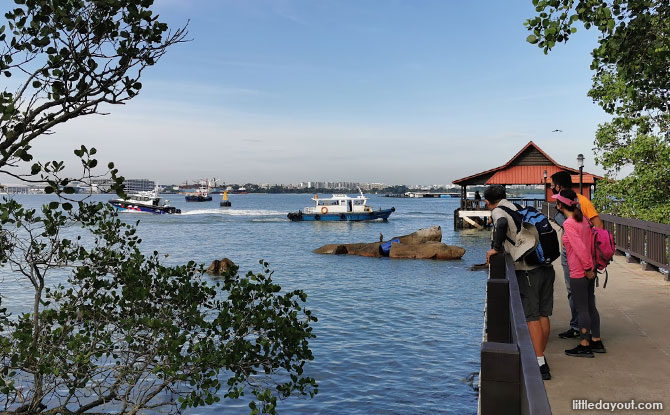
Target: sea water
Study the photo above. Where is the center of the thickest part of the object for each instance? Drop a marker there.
(394, 336)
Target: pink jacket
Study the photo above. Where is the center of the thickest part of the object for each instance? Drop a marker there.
(577, 241)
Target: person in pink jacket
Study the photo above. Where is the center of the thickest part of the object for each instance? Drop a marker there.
(577, 241)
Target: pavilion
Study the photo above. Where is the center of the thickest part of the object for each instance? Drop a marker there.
(530, 166)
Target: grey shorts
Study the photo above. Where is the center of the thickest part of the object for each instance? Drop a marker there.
(537, 292)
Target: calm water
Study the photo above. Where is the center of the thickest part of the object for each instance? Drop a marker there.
(393, 336)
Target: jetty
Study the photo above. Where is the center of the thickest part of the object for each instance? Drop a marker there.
(633, 311)
(531, 167)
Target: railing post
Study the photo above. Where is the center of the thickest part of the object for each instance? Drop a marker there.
(498, 327)
(497, 266)
(500, 378)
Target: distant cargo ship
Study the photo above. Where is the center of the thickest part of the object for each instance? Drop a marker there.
(200, 195)
(239, 191)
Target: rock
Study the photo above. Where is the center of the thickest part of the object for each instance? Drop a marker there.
(479, 267)
(336, 249)
(428, 250)
(422, 244)
(341, 250)
(220, 267)
(368, 250)
(434, 233)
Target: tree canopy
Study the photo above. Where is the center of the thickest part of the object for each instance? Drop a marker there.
(631, 82)
(122, 333)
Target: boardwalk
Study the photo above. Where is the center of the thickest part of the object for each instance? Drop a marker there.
(635, 321)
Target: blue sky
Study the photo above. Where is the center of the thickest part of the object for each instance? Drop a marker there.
(396, 91)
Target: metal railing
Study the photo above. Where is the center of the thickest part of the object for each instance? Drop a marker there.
(468, 204)
(510, 377)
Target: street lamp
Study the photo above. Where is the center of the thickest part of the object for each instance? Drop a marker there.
(545, 185)
(580, 163)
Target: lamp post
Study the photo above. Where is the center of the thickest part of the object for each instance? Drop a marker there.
(580, 163)
(545, 185)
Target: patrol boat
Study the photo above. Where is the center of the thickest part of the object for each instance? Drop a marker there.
(143, 202)
(340, 207)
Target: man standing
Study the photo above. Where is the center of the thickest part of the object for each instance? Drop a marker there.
(536, 282)
(560, 181)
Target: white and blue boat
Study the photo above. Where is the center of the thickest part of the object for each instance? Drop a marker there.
(143, 202)
(340, 208)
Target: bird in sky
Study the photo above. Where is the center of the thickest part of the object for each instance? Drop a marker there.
(557, 131)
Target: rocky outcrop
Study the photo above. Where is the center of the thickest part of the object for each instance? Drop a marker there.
(220, 267)
(434, 233)
(427, 250)
(422, 244)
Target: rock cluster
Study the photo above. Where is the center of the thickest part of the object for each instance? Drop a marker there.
(422, 244)
(219, 267)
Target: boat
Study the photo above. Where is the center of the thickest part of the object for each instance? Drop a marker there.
(340, 207)
(143, 202)
(200, 195)
(239, 191)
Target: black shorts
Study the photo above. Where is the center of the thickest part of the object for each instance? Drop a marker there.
(537, 291)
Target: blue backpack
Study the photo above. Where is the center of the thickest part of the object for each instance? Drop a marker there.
(547, 250)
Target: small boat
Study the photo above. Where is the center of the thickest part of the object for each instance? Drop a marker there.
(143, 202)
(200, 195)
(340, 208)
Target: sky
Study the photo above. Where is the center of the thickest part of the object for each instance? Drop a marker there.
(392, 91)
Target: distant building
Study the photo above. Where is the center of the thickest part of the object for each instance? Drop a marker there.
(139, 185)
(17, 188)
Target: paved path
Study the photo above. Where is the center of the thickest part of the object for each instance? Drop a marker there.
(635, 325)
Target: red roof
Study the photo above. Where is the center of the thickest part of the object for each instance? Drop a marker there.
(527, 167)
(531, 175)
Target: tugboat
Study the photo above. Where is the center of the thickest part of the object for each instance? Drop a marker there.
(201, 195)
(340, 208)
(143, 202)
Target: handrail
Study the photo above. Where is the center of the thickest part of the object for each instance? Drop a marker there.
(642, 240)
(510, 377)
(479, 204)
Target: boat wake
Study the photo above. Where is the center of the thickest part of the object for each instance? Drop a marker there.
(234, 212)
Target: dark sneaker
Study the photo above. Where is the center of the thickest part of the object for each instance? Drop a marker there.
(569, 334)
(544, 370)
(598, 347)
(580, 351)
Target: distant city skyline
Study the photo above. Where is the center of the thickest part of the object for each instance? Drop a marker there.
(395, 92)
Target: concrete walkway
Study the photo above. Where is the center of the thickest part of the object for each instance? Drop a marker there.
(635, 325)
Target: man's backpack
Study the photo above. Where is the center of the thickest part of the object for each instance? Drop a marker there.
(603, 249)
(547, 249)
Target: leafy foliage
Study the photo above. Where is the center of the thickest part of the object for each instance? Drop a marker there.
(72, 56)
(632, 83)
(112, 329)
(126, 333)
